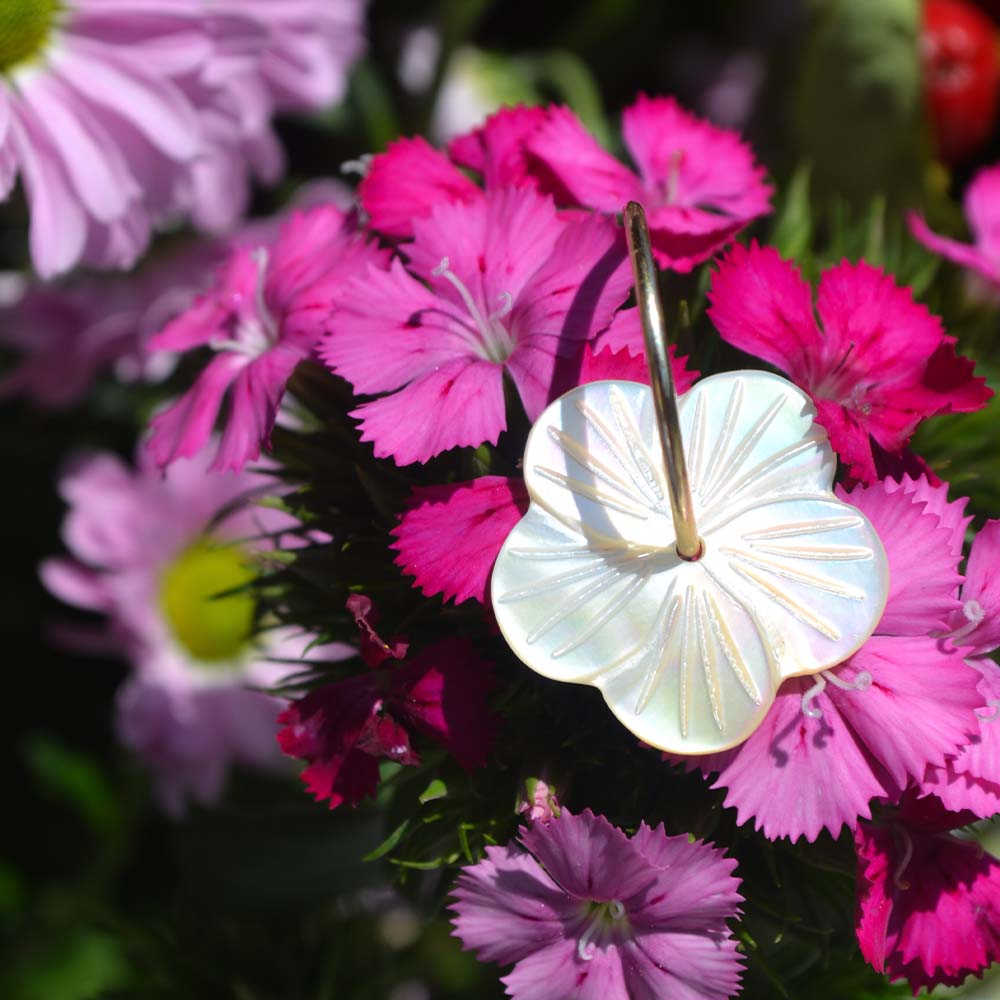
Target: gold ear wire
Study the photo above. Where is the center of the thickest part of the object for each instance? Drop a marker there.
(654, 330)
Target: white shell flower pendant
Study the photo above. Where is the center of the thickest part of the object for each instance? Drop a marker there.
(589, 587)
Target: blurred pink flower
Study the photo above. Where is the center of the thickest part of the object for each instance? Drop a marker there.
(582, 910)
(342, 730)
(502, 285)
(699, 184)
(928, 902)
(119, 117)
(871, 725)
(68, 334)
(149, 551)
(879, 365)
(982, 212)
(265, 314)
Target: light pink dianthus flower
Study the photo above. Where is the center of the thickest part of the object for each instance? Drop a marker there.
(879, 364)
(265, 314)
(150, 552)
(583, 911)
(500, 285)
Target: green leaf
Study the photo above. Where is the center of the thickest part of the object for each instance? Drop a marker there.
(793, 227)
(389, 843)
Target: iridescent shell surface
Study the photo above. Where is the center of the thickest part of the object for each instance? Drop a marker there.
(588, 587)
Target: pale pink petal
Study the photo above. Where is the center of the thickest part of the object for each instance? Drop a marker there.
(58, 230)
(407, 181)
(923, 565)
(796, 776)
(920, 707)
(184, 427)
(592, 176)
(451, 535)
(75, 584)
(762, 305)
(459, 404)
(935, 495)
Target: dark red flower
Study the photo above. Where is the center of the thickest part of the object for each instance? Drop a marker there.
(343, 729)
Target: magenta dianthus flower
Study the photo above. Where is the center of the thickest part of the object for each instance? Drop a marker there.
(879, 365)
(928, 902)
(500, 285)
(583, 911)
(342, 730)
(871, 725)
(982, 212)
(698, 183)
(265, 315)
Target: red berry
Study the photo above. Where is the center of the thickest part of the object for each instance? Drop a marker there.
(961, 76)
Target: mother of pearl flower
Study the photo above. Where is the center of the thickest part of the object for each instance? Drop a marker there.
(689, 654)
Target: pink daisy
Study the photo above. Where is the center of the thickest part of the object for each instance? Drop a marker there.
(583, 911)
(120, 115)
(500, 285)
(971, 781)
(411, 177)
(982, 212)
(873, 724)
(264, 315)
(699, 184)
(344, 729)
(928, 902)
(451, 536)
(879, 365)
(150, 552)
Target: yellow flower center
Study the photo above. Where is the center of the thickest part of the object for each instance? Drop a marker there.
(24, 29)
(213, 629)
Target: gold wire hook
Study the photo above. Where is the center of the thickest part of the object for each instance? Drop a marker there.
(668, 424)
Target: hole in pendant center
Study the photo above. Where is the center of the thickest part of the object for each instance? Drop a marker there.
(697, 555)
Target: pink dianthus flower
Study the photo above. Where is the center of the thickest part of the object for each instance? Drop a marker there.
(345, 728)
(698, 183)
(500, 285)
(879, 365)
(583, 911)
(928, 906)
(873, 724)
(265, 314)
